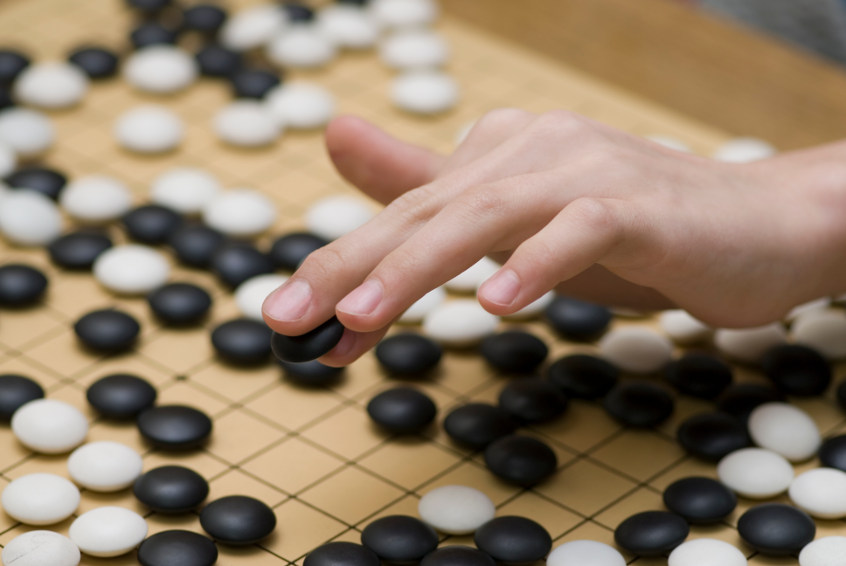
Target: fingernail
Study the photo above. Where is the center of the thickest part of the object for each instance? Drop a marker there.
(363, 299)
(289, 302)
(502, 288)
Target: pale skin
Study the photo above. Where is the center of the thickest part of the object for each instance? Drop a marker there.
(566, 203)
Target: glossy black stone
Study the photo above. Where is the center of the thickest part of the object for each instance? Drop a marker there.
(21, 285)
(700, 500)
(217, 61)
(311, 373)
(521, 460)
(298, 12)
(402, 410)
(514, 351)
(399, 538)
(107, 331)
(152, 33)
(78, 250)
(96, 62)
(408, 354)
(195, 245)
(699, 375)
(151, 223)
(341, 553)
(253, 83)
(513, 540)
(577, 320)
(16, 390)
(476, 425)
(639, 403)
(740, 399)
(12, 62)
(174, 427)
(308, 346)
(532, 399)
(177, 548)
(457, 555)
(711, 436)
(148, 7)
(204, 18)
(583, 376)
(171, 489)
(776, 529)
(48, 182)
(832, 452)
(6, 100)
(242, 341)
(797, 370)
(180, 304)
(289, 251)
(651, 533)
(121, 396)
(236, 262)
(237, 520)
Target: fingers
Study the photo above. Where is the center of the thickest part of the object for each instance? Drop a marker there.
(351, 347)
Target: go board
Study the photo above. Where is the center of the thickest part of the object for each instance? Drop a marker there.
(312, 454)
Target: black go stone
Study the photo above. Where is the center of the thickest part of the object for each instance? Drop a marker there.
(177, 548)
(311, 373)
(6, 100)
(840, 395)
(237, 262)
(341, 553)
(78, 250)
(402, 410)
(308, 346)
(16, 390)
(651, 533)
(217, 61)
(583, 376)
(699, 375)
(174, 427)
(148, 7)
(298, 12)
(514, 351)
(12, 62)
(121, 396)
(740, 399)
(776, 529)
(711, 436)
(577, 320)
(289, 251)
(171, 489)
(180, 304)
(44, 180)
(253, 83)
(532, 399)
(399, 538)
(521, 460)
(457, 555)
(204, 18)
(700, 500)
(476, 425)
(107, 331)
(353, 2)
(242, 341)
(513, 540)
(408, 354)
(96, 62)
(151, 223)
(195, 245)
(21, 285)
(639, 403)
(832, 452)
(797, 370)
(237, 520)
(152, 33)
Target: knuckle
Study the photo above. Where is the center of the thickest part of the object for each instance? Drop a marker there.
(326, 263)
(559, 123)
(482, 202)
(413, 205)
(502, 119)
(596, 214)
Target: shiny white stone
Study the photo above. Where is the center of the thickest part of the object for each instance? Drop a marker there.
(301, 47)
(49, 426)
(40, 499)
(28, 132)
(820, 304)
(241, 213)
(301, 105)
(250, 295)
(822, 330)
(149, 129)
(40, 548)
(744, 150)
(96, 199)
(332, 217)
(104, 466)
(825, 551)
(682, 328)
(755, 473)
(749, 344)
(821, 492)
(424, 92)
(585, 553)
(670, 142)
(414, 49)
(423, 306)
(706, 552)
(533, 309)
(471, 278)
(348, 26)
(785, 429)
(246, 123)
(253, 27)
(108, 531)
(28, 218)
(8, 159)
(51, 84)
(404, 13)
(459, 323)
(160, 69)
(636, 349)
(455, 509)
(184, 189)
(131, 269)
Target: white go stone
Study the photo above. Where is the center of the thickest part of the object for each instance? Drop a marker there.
(253, 27)
(749, 344)
(40, 499)
(404, 13)
(51, 84)
(533, 309)
(821, 492)
(301, 47)
(49, 426)
(424, 92)
(185, 189)
(28, 218)
(744, 150)
(683, 328)
(755, 473)
(160, 69)
(669, 142)
(636, 349)
(301, 105)
(414, 49)
(28, 132)
(423, 306)
(96, 199)
(241, 213)
(471, 278)
(250, 295)
(246, 123)
(456, 509)
(706, 552)
(820, 304)
(108, 531)
(786, 429)
(459, 323)
(585, 553)
(825, 551)
(131, 269)
(149, 129)
(823, 330)
(41, 548)
(332, 217)
(347, 26)
(104, 466)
